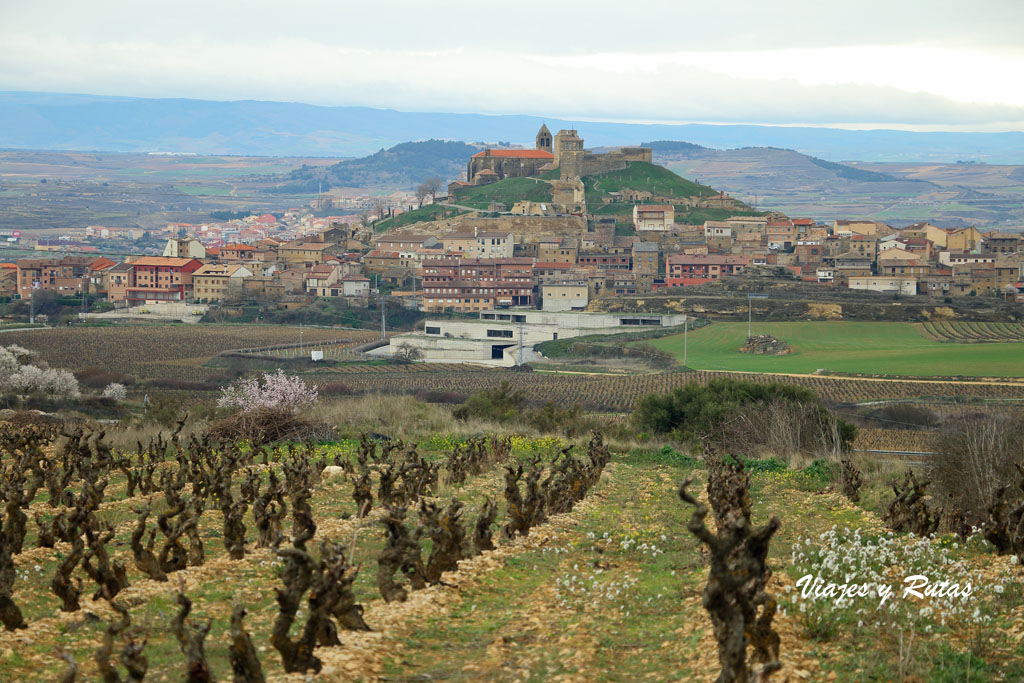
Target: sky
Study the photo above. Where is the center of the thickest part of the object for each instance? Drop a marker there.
(919, 65)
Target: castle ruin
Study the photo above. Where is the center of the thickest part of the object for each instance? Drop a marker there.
(564, 151)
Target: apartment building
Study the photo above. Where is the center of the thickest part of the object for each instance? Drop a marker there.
(475, 285)
(161, 278)
(695, 269)
(65, 275)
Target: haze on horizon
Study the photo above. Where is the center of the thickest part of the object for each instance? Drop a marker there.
(944, 65)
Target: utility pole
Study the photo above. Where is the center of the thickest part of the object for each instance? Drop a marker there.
(300, 338)
(32, 304)
(521, 342)
(749, 316)
(383, 323)
(686, 327)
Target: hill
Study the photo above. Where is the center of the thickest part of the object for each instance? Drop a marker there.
(31, 120)
(403, 167)
(640, 176)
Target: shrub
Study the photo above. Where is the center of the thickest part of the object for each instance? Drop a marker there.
(336, 389)
(503, 403)
(905, 416)
(750, 417)
(268, 425)
(978, 456)
(552, 418)
(96, 378)
(433, 396)
(274, 391)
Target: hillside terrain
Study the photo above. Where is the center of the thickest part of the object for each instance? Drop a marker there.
(30, 120)
(401, 167)
(44, 190)
(802, 185)
(600, 190)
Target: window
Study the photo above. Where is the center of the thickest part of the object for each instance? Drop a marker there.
(433, 330)
(500, 333)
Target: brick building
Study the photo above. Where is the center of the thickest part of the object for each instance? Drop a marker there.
(160, 279)
(64, 275)
(476, 285)
(695, 269)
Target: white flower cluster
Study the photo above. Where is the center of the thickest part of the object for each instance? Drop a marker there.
(275, 390)
(581, 588)
(846, 557)
(18, 374)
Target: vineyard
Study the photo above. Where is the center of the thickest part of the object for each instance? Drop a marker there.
(618, 393)
(960, 331)
(178, 351)
(497, 558)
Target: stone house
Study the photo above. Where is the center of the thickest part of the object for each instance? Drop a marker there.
(215, 282)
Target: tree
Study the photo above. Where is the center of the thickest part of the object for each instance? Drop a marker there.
(407, 353)
(379, 205)
(432, 186)
(277, 391)
(116, 391)
(421, 193)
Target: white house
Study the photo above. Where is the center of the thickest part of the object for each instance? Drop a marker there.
(653, 217)
(905, 286)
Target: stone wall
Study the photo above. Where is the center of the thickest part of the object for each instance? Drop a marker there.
(505, 167)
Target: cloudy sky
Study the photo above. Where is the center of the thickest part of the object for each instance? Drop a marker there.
(928, 65)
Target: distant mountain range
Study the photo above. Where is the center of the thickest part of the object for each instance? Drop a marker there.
(85, 122)
(898, 193)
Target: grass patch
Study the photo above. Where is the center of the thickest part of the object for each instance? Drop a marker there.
(507, 191)
(881, 348)
(429, 213)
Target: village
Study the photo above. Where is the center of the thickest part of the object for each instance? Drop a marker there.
(551, 255)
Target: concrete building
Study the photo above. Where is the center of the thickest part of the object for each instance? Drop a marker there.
(565, 296)
(497, 337)
(184, 248)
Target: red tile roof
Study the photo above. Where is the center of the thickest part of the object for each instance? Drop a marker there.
(516, 153)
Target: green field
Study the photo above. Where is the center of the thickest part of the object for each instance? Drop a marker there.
(854, 347)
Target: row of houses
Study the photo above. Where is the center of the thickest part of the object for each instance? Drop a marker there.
(190, 271)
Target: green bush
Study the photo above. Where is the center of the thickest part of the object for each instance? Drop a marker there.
(503, 403)
(742, 415)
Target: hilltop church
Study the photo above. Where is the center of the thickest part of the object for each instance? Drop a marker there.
(563, 151)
